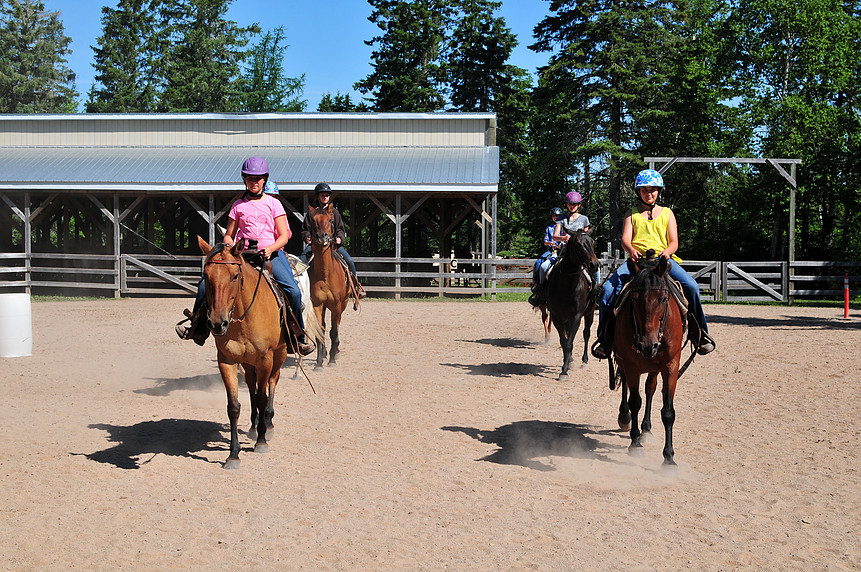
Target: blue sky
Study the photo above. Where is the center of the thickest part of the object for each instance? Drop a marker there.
(325, 37)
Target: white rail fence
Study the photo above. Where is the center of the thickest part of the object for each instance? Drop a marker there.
(132, 274)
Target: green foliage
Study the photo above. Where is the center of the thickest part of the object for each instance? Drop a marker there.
(407, 72)
(265, 87)
(34, 77)
(340, 103)
(201, 60)
(125, 57)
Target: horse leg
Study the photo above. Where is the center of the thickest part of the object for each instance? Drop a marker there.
(250, 376)
(624, 418)
(264, 373)
(334, 338)
(567, 343)
(668, 412)
(588, 318)
(545, 320)
(231, 384)
(651, 385)
(321, 345)
(634, 403)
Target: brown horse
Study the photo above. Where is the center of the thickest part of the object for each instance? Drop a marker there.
(329, 289)
(571, 292)
(243, 315)
(648, 339)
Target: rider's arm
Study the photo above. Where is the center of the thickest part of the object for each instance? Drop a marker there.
(628, 237)
(558, 235)
(230, 233)
(283, 232)
(672, 237)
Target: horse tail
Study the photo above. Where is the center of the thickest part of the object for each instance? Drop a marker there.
(313, 327)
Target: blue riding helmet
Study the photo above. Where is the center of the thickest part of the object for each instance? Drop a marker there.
(270, 188)
(649, 178)
(555, 212)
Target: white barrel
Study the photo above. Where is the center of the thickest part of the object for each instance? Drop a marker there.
(16, 325)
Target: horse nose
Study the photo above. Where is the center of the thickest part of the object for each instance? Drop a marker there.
(217, 329)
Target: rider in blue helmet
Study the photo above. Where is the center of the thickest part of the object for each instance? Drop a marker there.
(649, 226)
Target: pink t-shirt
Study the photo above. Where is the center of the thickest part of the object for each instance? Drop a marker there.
(256, 219)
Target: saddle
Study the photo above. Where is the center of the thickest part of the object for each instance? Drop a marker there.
(287, 319)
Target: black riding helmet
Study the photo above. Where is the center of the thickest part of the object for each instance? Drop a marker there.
(322, 188)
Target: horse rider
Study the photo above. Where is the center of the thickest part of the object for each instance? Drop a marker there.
(552, 248)
(323, 197)
(559, 233)
(259, 216)
(650, 226)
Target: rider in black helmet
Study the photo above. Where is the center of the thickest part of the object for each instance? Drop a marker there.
(323, 197)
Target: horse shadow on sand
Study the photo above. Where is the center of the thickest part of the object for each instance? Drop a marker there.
(788, 322)
(138, 444)
(524, 442)
(501, 369)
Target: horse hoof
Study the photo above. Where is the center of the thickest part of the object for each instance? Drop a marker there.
(670, 464)
(562, 377)
(332, 364)
(252, 434)
(624, 426)
(636, 451)
(318, 367)
(261, 448)
(231, 464)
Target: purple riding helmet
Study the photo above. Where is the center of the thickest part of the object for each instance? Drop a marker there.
(255, 166)
(573, 197)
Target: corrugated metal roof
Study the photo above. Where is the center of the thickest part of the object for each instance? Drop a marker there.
(393, 168)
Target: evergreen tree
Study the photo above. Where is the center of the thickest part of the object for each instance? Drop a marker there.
(608, 66)
(201, 65)
(34, 77)
(265, 86)
(125, 57)
(340, 103)
(407, 72)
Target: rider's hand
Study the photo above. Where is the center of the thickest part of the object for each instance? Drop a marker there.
(308, 240)
(338, 240)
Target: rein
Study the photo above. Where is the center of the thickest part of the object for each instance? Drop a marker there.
(241, 282)
(637, 332)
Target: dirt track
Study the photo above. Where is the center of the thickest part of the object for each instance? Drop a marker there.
(442, 440)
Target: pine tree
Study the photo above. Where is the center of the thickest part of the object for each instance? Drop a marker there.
(201, 64)
(340, 103)
(125, 59)
(265, 86)
(34, 76)
(608, 67)
(407, 74)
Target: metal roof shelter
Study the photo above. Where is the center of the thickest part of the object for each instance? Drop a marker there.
(118, 183)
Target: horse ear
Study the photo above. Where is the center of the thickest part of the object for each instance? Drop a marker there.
(661, 268)
(204, 246)
(238, 247)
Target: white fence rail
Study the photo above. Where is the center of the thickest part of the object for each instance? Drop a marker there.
(132, 274)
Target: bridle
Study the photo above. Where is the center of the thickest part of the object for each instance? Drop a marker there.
(665, 296)
(239, 288)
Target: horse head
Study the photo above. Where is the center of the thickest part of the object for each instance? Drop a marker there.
(581, 248)
(222, 271)
(322, 224)
(649, 302)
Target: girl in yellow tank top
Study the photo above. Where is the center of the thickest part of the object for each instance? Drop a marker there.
(651, 233)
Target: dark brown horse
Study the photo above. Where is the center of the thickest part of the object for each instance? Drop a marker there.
(571, 292)
(244, 317)
(648, 339)
(329, 289)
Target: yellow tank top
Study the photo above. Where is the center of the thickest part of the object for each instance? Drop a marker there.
(651, 233)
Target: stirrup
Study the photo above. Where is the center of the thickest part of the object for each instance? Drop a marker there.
(599, 351)
(707, 345)
(183, 331)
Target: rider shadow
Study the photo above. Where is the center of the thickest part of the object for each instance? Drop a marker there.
(787, 322)
(522, 442)
(501, 369)
(503, 343)
(166, 385)
(175, 437)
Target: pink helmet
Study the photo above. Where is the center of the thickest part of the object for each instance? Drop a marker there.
(573, 197)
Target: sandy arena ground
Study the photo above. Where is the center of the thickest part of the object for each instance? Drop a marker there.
(441, 441)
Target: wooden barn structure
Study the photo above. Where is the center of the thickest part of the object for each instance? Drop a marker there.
(114, 202)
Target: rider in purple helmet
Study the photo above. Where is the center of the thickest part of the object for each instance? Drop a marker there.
(257, 216)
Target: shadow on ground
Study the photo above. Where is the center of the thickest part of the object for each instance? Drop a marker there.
(138, 444)
(523, 442)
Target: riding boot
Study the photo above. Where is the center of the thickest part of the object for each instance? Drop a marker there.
(197, 329)
(293, 332)
(707, 344)
(360, 291)
(604, 338)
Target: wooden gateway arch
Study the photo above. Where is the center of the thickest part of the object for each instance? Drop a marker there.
(112, 203)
